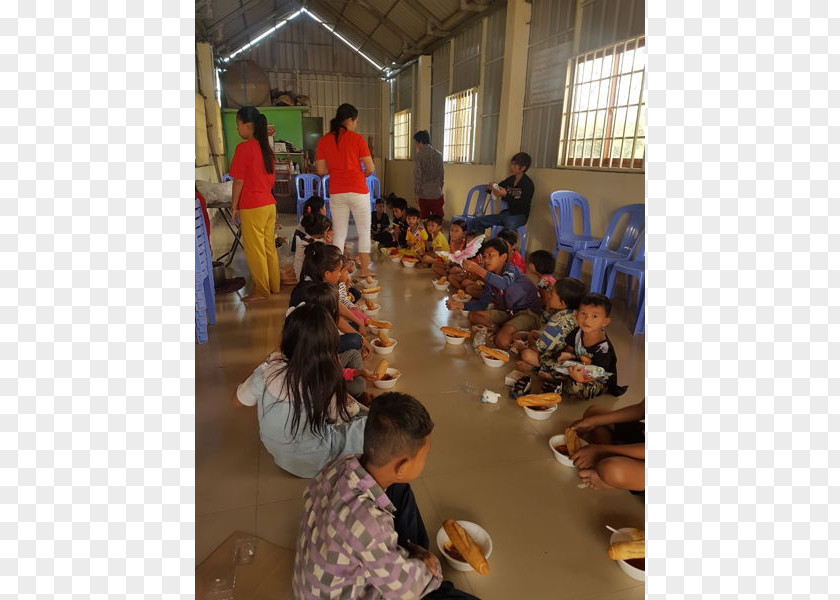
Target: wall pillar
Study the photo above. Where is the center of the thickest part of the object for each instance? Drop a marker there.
(517, 32)
(423, 97)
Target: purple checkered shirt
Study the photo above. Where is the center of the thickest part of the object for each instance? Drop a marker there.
(347, 546)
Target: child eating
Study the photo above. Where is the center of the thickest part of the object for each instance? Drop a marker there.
(511, 238)
(517, 304)
(541, 264)
(361, 535)
(436, 242)
(379, 222)
(457, 241)
(415, 235)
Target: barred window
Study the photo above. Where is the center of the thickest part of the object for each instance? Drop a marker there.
(402, 134)
(604, 111)
(459, 126)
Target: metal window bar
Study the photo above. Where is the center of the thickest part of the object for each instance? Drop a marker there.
(402, 132)
(621, 67)
(459, 126)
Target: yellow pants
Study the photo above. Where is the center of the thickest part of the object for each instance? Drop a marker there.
(260, 252)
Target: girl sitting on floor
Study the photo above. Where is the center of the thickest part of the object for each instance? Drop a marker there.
(306, 429)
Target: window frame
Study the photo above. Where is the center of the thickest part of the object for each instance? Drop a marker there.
(571, 112)
(460, 141)
(397, 135)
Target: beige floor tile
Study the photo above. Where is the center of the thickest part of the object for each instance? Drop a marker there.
(489, 463)
(214, 528)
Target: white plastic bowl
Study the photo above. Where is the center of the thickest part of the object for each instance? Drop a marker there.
(477, 533)
(439, 287)
(454, 340)
(387, 385)
(557, 440)
(372, 311)
(466, 297)
(540, 415)
(396, 259)
(381, 349)
(409, 264)
(623, 535)
(466, 313)
(362, 284)
(372, 296)
(493, 362)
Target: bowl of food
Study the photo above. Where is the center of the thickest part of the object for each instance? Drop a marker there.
(376, 326)
(455, 336)
(492, 357)
(441, 287)
(364, 283)
(372, 311)
(388, 380)
(461, 296)
(381, 347)
(540, 413)
(633, 567)
(409, 262)
(371, 293)
(453, 556)
(557, 443)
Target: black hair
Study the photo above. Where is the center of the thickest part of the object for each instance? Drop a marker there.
(597, 300)
(423, 137)
(322, 294)
(313, 204)
(309, 345)
(509, 235)
(397, 427)
(320, 258)
(249, 114)
(398, 203)
(344, 112)
(434, 218)
(570, 291)
(379, 201)
(543, 262)
(460, 223)
(497, 244)
(523, 159)
(314, 223)
(412, 212)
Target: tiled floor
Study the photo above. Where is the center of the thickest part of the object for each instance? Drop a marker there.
(489, 463)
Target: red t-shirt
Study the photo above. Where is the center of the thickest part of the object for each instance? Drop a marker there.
(248, 166)
(517, 260)
(344, 161)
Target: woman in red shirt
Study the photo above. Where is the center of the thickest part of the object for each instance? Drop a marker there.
(339, 153)
(252, 170)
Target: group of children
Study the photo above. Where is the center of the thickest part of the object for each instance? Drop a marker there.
(361, 535)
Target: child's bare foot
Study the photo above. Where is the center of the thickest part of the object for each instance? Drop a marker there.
(592, 480)
(253, 298)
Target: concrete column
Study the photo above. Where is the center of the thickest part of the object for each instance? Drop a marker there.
(515, 64)
(423, 105)
(384, 129)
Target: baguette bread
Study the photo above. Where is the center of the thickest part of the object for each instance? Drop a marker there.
(384, 339)
(585, 359)
(572, 441)
(410, 259)
(539, 400)
(382, 369)
(441, 281)
(461, 294)
(493, 353)
(455, 332)
(380, 324)
(370, 304)
(627, 550)
(372, 290)
(368, 279)
(466, 546)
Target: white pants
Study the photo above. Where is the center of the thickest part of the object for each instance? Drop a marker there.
(341, 205)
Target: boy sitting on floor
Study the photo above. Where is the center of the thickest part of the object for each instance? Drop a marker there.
(587, 366)
(615, 456)
(516, 303)
(394, 236)
(511, 238)
(361, 535)
(436, 242)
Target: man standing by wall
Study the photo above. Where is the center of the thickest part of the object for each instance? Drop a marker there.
(428, 176)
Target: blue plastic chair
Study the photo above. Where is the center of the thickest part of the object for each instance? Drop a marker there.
(205, 293)
(562, 205)
(522, 230)
(306, 185)
(602, 257)
(483, 200)
(374, 187)
(631, 268)
(226, 177)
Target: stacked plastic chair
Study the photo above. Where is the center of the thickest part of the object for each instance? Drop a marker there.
(562, 204)
(325, 193)
(483, 201)
(205, 294)
(306, 185)
(633, 269)
(374, 187)
(602, 257)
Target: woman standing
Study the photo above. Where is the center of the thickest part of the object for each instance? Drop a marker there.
(252, 170)
(339, 154)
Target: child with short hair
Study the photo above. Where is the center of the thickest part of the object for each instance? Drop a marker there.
(361, 535)
(379, 222)
(516, 303)
(395, 237)
(591, 350)
(457, 242)
(306, 429)
(436, 242)
(511, 238)
(517, 191)
(541, 264)
(563, 300)
(316, 228)
(415, 235)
